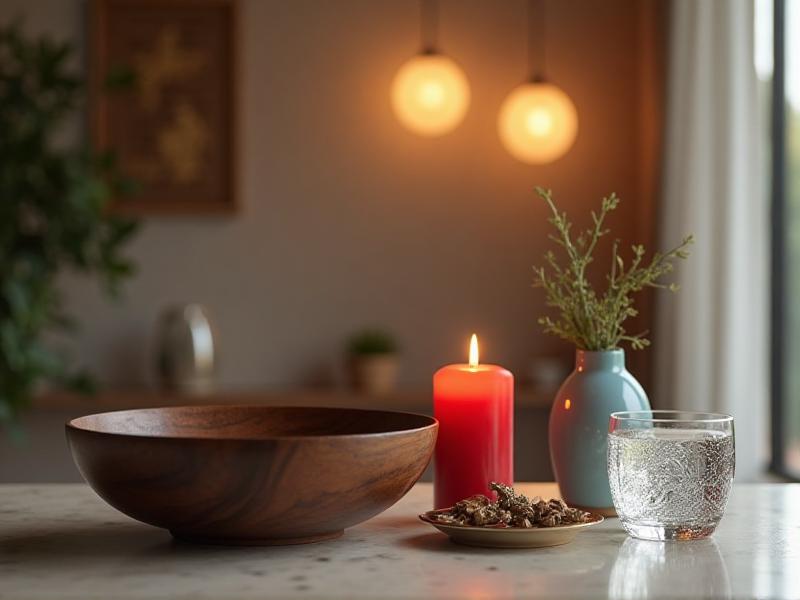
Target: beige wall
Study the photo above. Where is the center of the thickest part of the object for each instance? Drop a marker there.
(348, 220)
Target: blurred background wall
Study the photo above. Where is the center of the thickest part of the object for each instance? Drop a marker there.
(347, 219)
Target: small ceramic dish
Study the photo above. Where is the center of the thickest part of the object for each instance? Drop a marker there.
(509, 537)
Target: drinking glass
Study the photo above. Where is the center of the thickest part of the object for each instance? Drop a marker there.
(670, 472)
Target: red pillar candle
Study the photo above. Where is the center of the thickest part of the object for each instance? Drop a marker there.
(474, 404)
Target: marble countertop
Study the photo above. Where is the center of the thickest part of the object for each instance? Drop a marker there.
(62, 541)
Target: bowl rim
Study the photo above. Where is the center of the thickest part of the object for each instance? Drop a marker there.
(73, 425)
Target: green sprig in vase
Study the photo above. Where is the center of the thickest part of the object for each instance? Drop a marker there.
(594, 321)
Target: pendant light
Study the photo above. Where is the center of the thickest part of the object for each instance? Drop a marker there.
(538, 122)
(430, 93)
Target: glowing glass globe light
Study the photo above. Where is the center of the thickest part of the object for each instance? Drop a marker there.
(538, 123)
(430, 94)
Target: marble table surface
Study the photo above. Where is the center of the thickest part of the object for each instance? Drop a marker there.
(62, 541)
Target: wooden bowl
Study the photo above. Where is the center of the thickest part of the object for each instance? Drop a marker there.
(252, 475)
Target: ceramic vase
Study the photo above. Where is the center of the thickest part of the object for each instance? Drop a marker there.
(578, 430)
(375, 375)
(186, 350)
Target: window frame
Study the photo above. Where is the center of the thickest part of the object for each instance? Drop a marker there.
(778, 304)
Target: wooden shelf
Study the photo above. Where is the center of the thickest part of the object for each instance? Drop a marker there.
(419, 400)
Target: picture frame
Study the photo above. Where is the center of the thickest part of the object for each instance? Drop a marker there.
(162, 96)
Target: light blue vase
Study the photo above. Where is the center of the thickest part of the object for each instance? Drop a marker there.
(598, 386)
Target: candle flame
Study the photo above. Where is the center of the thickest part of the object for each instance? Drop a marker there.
(473, 351)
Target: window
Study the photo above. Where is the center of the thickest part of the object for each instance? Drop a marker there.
(786, 238)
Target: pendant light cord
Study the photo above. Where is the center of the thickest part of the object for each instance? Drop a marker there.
(537, 40)
(429, 25)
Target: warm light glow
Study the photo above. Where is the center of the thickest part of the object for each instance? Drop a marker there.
(473, 351)
(538, 123)
(430, 94)
(567, 404)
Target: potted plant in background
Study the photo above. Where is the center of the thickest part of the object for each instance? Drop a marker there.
(594, 321)
(372, 358)
(53, 214)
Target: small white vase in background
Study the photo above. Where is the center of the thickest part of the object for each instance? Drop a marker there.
(547, 372)
(186, 350)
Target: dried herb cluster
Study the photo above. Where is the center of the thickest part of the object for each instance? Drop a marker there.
(511, 510)
(590, 320)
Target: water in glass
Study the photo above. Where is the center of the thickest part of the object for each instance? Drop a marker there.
(669, 479)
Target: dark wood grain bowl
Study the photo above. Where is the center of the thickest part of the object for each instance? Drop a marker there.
(252, 475)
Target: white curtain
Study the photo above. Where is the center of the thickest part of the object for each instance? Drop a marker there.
(712, 336)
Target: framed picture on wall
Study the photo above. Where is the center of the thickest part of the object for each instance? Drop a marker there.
(171, 121)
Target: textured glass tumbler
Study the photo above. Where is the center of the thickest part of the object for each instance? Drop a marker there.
(670, 472)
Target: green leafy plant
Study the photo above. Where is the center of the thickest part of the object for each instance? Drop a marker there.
(370, 342)
(588, 319)
(53, 213)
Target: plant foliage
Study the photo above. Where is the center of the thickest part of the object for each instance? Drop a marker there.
(371, 341)
(53, 212)
(588, 319)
